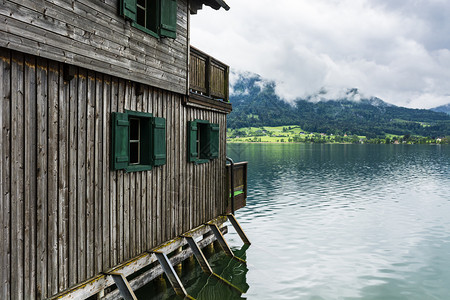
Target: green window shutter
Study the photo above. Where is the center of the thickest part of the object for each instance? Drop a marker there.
(168, 26)
(159, 141)
(120, 141)
(213, 140)
(192, 136)
(128, 9)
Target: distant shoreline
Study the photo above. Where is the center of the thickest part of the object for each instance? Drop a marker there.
(312, 143)
(294, 134)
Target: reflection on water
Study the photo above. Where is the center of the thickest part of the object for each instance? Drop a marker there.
(347, 221)
(229, 282)
(339, 222)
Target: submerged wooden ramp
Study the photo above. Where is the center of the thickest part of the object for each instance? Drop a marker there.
(151, 264)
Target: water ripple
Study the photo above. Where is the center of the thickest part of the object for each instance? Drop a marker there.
(348, 222)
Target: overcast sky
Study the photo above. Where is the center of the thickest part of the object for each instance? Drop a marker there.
(398, 50)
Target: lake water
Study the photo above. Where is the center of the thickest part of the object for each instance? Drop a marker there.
(339, 222)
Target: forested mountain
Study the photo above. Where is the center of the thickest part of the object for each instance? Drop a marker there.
(442, 108)
(255, 103)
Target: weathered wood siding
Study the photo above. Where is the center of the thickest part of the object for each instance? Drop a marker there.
(93, 35)
(64, 215)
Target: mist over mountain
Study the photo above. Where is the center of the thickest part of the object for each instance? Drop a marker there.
(256, 103)
(442, 108)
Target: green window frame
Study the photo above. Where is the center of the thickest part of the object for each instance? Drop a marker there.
(138, 141)
(155, 17)
(203, 138)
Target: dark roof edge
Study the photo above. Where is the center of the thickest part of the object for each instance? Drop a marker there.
(223, 4)
(215, 4)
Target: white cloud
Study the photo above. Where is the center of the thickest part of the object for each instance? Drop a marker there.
(396, 50)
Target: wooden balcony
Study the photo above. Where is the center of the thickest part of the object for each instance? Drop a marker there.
(208, 79)
(239, 186)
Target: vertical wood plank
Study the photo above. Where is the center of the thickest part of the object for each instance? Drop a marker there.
(159, 190)
(81, 175)
(149, 195)
(163, 175)
(135, 186)
(190, 179)
(223, 192)
(63, 195)
(73, 178)
(184, 175)
(17, 176)
(126, 189)
(113, 180)
(176, 171)
(5, 169)
(42, 172)
(30, 177)
(175, 174)
(107, 254)
(143, 175)
(177, 150)
(53, 83)
(155, 174)
(168, 178)
(98, 165)
(90, 175)
(132, 188)
(121, 185)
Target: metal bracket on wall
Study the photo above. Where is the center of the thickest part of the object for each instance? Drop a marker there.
(123, 285)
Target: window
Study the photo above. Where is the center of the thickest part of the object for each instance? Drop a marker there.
(138, 141)
(203, 141)
(156, 17)
(135, 141)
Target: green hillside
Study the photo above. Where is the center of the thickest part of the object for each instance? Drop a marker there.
(255, 104)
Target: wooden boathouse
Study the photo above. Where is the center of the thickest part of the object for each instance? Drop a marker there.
(112, 143)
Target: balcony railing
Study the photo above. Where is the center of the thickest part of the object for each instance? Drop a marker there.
(239, 186)
(208, 77)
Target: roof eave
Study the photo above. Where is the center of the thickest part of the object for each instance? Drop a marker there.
(215, 4)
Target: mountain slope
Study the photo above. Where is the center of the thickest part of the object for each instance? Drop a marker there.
(442, 108)
(255, 103)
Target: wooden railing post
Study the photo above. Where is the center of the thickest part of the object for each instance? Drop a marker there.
(208, 76)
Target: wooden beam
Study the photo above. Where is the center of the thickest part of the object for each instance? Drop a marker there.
(102, 281)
